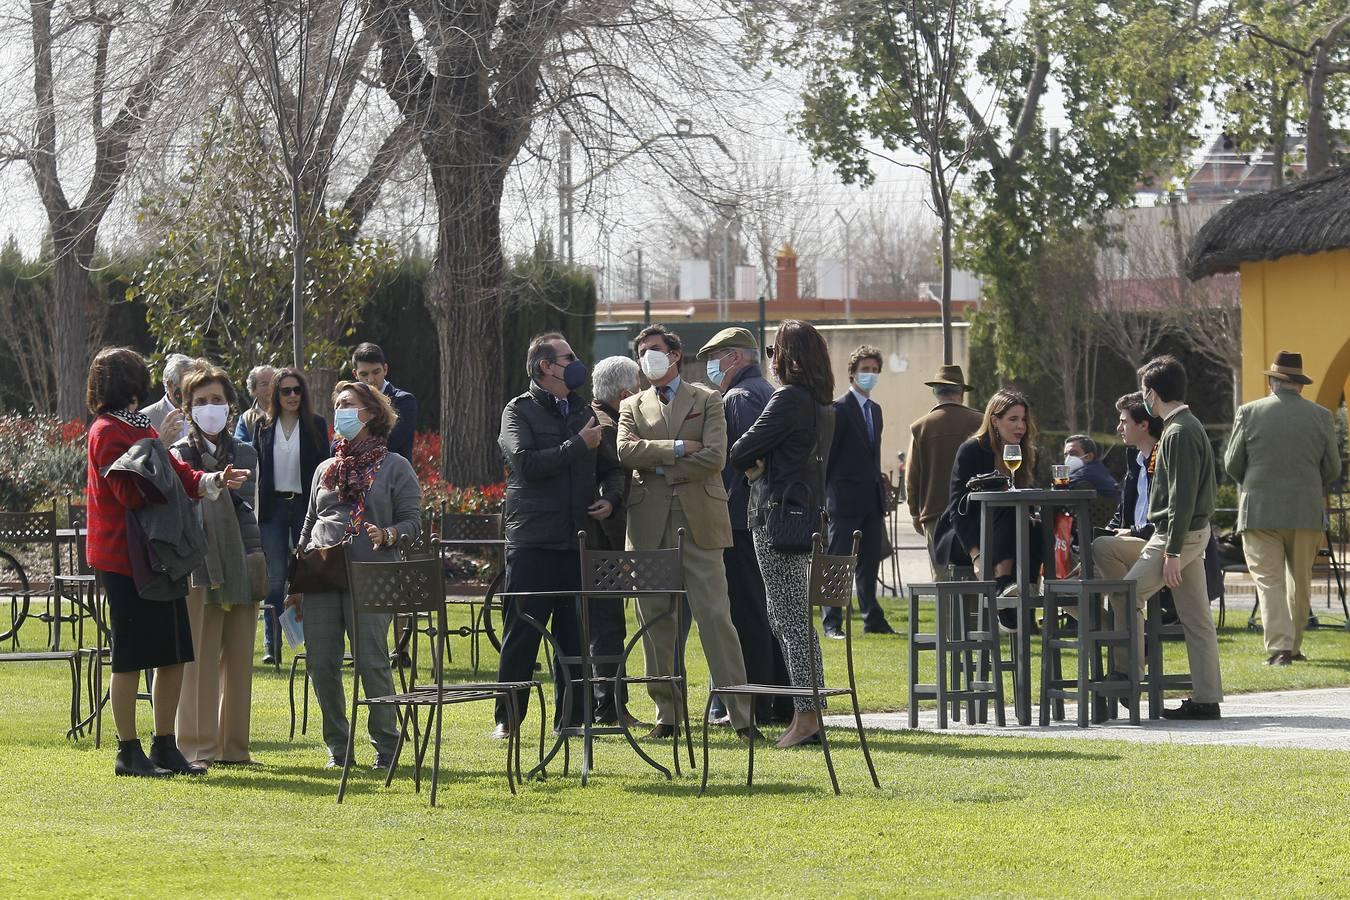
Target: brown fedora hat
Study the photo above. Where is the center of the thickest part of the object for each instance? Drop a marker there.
(949, 376)
(1288, 367)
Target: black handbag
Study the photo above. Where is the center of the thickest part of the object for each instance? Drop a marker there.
(989, 481)
(792, 525)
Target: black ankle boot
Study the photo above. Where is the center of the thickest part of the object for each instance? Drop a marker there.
(131, 760)
(165, 754)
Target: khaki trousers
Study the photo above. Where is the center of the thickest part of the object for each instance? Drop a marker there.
(1192, 600)
(940, 573)
(1281, 563)
(1112, 557)
(215, 705)
(705, 579)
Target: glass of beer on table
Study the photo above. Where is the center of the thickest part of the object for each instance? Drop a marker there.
(1061, 476)
(1012, 458)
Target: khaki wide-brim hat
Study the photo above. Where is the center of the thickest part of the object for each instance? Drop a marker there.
(949, 376)
(729, 339)
(1288, 367)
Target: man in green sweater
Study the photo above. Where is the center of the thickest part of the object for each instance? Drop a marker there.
(1181, 500)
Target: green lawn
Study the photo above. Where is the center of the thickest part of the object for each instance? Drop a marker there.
(956, 814)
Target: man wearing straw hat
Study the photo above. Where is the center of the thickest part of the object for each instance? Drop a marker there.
(933, 443)
(1283, 456)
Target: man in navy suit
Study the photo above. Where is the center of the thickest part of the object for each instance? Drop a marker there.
(370, 366)
(854, 493)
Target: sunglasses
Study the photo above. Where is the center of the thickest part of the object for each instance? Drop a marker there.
(291, 391)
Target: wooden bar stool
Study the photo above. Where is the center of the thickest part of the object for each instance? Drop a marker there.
(1156, 680)
(1090, 636)
(954, 645)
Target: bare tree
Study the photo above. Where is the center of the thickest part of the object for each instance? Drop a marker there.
(475, 78)
(1132, 317)
(895, 251)
(99, 69)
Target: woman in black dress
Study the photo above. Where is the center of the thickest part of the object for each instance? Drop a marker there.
(1007, 420)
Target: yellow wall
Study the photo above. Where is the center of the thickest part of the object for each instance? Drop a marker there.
(1300, 304)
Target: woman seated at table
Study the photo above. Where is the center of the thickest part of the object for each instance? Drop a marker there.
(1007, 420)
(214, 709)
(371, 495)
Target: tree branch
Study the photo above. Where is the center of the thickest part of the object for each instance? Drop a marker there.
(362, 198)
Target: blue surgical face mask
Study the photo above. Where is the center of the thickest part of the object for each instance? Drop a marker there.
(866, 380)
(715, 373)
(574, 376)
(347, 422)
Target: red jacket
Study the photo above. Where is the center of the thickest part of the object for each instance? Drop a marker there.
(109, 497)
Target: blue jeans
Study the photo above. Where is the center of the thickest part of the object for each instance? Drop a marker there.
(280, 533)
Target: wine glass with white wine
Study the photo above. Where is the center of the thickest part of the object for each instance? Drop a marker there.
(1012, 458)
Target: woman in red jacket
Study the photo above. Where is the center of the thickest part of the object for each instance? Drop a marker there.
(146, 634)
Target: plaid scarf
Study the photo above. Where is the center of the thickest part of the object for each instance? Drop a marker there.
(354, 468)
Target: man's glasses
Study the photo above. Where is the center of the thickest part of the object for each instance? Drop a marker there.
(291, 391)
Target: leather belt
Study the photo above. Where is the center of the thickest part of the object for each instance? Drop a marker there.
(287, 495)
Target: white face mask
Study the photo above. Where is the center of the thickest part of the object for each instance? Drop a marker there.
(655, 364)
(1073, 462)
(211, 418)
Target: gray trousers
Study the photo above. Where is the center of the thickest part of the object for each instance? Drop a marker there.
(328, 620)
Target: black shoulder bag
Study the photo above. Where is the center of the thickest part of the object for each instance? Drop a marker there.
(792, 525)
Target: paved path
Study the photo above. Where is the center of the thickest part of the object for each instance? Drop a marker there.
(1307, 720)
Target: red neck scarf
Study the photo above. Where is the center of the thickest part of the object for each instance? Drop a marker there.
(354, 467)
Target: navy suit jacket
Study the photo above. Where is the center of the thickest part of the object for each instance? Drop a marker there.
(401, 437)
(1124, 517)
(853, 489)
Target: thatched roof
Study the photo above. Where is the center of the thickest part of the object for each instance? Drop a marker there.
(1305, 217)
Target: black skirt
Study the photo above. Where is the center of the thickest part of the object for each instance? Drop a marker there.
(146, 634)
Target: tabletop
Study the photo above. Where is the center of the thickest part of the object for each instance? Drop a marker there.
(1037, 495)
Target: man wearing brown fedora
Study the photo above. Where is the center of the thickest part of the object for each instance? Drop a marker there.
(934, 440)
(1283, 456)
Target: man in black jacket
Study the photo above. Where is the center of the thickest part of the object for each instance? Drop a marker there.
(548, 440)
(854, 494)
(732, 365)
(370, 366)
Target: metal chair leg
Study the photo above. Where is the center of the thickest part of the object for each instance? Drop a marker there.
(825, 745)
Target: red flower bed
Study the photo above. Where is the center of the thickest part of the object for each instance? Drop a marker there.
(437, 491)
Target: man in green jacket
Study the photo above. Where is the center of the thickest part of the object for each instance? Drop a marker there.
(1283, 456)
(1181, 500)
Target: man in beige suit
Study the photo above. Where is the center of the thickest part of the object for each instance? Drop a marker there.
(1283, 455)
(933, 441)
(674, 435)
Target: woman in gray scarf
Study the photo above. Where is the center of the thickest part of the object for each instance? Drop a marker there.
(214, 708)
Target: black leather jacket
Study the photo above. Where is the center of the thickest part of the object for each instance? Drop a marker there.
(793, 436)
(551, 475)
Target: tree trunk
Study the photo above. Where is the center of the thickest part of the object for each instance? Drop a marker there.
(73, 306)
(947, 287)
(463, 294)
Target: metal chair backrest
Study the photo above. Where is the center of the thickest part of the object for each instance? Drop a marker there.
(832, 576)
(632, 570)
(470, 527)
(1101, 510)
(77, 514)
(397, 587)
(28, 527)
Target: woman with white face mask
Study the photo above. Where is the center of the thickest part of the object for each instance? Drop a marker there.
(214, 708)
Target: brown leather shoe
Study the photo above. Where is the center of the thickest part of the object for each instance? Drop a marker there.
(748, 732)
(661, 732)
(1280, 658)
